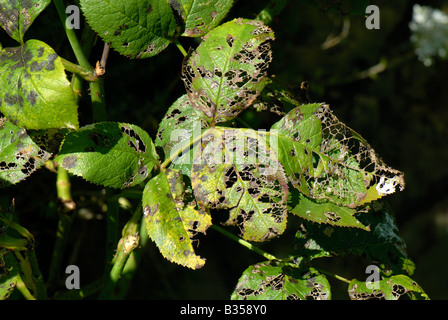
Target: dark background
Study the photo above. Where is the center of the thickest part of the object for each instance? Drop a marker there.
(402, 112)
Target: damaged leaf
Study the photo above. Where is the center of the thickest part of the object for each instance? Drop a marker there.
(35, 91)
(172, 223)
(9, 273)
(180, 126)
(382, 243)
(19, 154)
(324, 211)
(111, 154)
(200, 16)
(226, 73)
(388, 288)
(324, 159)
(135, 29)
(274, 281)
(236, 169)
(16, 16)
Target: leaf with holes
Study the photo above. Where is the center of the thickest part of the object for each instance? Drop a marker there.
(110, 154)
(35, 91)
(9, 273)
(200, 16)
(135, 28)
(382, 243)
(225, 74)
(388, 288)
(324, 159)
(324, 211)
(236, 169)
(178, 130)
(17, 16)
(170, 222)
(274, 281)
(19, 154)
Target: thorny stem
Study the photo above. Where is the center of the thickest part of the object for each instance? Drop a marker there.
(97, 92)
(244, 243)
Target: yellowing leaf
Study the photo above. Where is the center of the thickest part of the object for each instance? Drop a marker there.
(170, 223)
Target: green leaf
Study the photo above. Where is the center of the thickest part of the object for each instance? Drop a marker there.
(135, 28)
(178, 129)
(9, 273)
(235, 169)
(225, 74)
(16, 16)
(382, 243)
(388, 288)
(35, 91)
(172, 223)
(324, 159)
(201, 16)
(274, 281)
(323, 211)
(20, 156)
(111, 154)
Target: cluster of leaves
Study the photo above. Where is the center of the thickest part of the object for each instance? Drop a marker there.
(308, 163)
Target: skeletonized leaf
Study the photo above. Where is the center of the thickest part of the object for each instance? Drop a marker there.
(111, 154)
(200, 16)
(388, 288)
(35, 92)
(135, 28)
(324, 159)
(16, 16)
(274, 281)
(170, 222)
(382, 243)
(225, 74)
(324, 211)
(236, 169)
(180, 126)
(19, 154)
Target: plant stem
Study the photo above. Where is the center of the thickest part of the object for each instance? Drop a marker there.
(111, 227)
(71, 35)
(37, 276)
(74, 68)
(180, 47)
(66, 208)
(244, 243)
(126, 245)
(336, 276)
